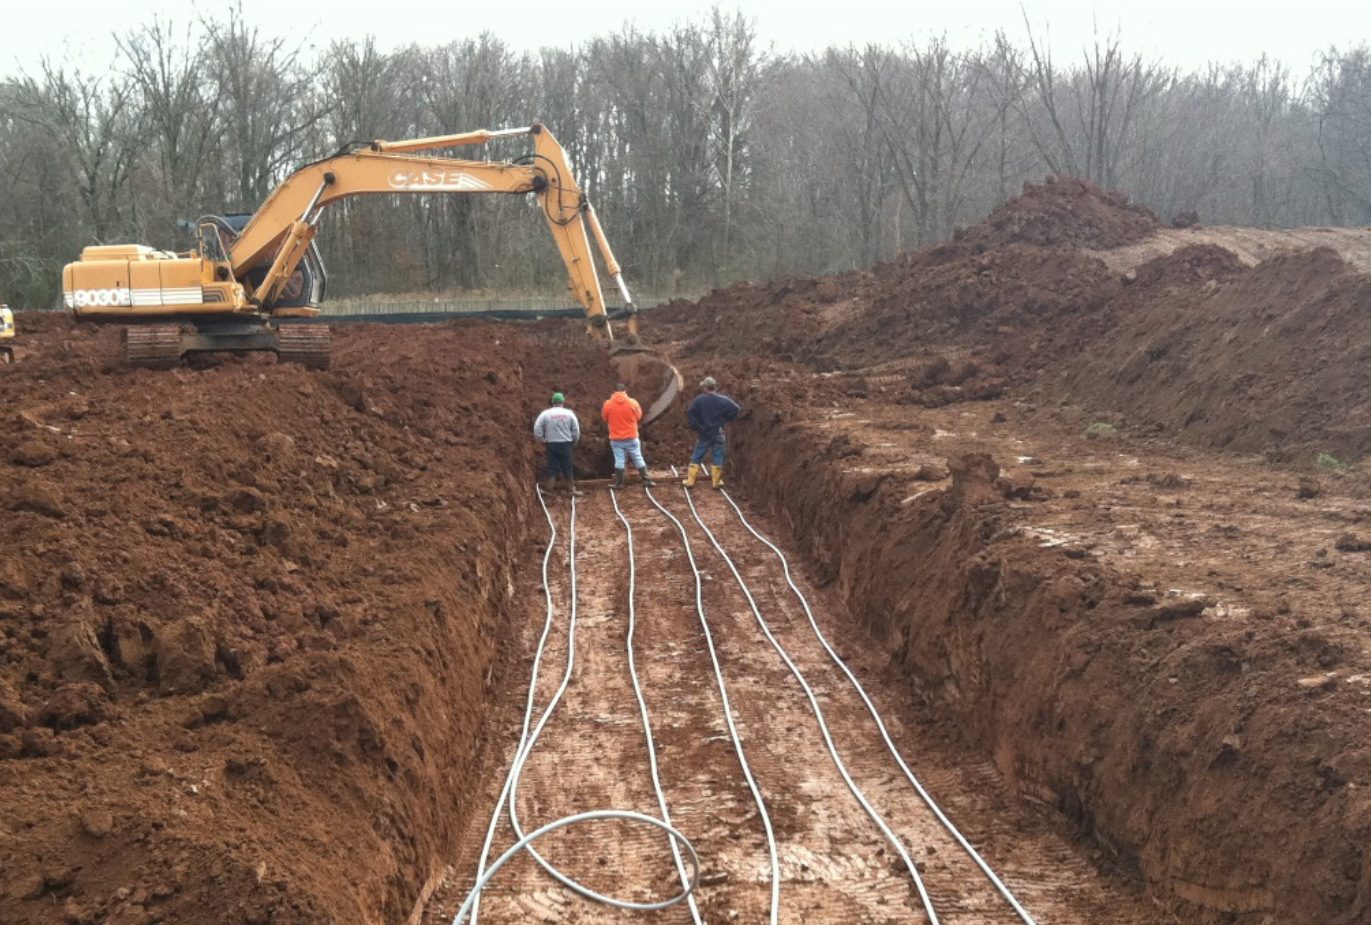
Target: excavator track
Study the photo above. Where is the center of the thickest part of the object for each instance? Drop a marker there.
(305, 344)
(153, 346)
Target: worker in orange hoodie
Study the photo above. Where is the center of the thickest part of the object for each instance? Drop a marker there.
(622, 414)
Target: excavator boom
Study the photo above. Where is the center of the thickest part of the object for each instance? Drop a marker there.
(239, 284)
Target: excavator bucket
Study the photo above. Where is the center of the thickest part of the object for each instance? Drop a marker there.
(649, 376)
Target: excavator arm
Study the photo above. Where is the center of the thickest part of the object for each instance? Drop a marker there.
(286, 223)
(233, 291)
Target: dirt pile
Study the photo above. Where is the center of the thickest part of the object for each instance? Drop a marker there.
(1275, 358)
(246, 619)
(1063, 212)
(922, 303)
(1192, 344)
(1020, 271)
(1022, 305)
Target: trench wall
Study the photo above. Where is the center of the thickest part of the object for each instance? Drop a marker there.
(1178, 744)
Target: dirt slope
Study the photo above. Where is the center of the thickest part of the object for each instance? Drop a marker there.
(1275, 357)
(246, 615)
(1268, 360)
(1183, 730)
(1185, 682)
(1063, 212)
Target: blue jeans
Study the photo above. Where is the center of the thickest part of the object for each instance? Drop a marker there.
(632, 449)
(707, 444)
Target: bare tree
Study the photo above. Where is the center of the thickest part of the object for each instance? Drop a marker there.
(268, 103)
(1105, 97)
(734, 72)
(178, 102)
(1342, 103)
(89, 123)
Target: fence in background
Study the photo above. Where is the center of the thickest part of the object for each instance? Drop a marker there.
(456, 306)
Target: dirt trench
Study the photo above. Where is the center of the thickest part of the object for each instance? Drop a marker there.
(1178, 745)
(248, 615)
(259, 627)
(834, 865)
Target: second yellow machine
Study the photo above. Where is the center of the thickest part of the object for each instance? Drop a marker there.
(6, 334)
(245, 283)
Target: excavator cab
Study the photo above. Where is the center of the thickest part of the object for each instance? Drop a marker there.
(305, 286)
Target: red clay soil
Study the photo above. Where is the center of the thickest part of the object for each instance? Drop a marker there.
(1186, 745)
(247, 615)
(1021, 269)
(1181, 744)
(1276, 358)
(1063, 212)
(1192, 344)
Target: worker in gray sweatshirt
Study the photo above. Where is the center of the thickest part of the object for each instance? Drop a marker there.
(558, 430)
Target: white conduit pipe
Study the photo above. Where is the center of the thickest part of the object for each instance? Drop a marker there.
(642, 705)
(526, 743)
(728, 712)
(880, 724)
(528, 708)
(838, 763)
(524, 843)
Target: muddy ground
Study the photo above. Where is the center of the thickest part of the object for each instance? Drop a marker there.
(1062, 475)
(1110, 513)
(248, 615)
(834, 864)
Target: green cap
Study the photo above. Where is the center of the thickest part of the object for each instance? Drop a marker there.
(558, 398)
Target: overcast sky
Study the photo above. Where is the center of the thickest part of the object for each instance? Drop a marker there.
(1183, 32)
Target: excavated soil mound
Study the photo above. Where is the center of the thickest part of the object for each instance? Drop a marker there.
(1186, 266)
(1019, 271)
(1274, 358)
(932, 299)
(1194, 344)
(787, 320)
(1064, 212)
(1021, 303)
(247, 615)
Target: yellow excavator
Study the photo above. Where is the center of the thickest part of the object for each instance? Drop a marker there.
(252, 280)
(6, 334)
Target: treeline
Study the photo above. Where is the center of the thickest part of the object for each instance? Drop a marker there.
(709, 158)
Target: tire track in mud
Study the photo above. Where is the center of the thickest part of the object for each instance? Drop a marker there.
(835, 865)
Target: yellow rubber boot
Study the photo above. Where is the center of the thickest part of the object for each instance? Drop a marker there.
(691, 475)
(717, 476)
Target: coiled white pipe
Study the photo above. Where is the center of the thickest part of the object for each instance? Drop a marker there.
(524, 844)
(528, 739)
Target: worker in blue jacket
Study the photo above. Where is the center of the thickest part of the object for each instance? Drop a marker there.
(708, 414)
